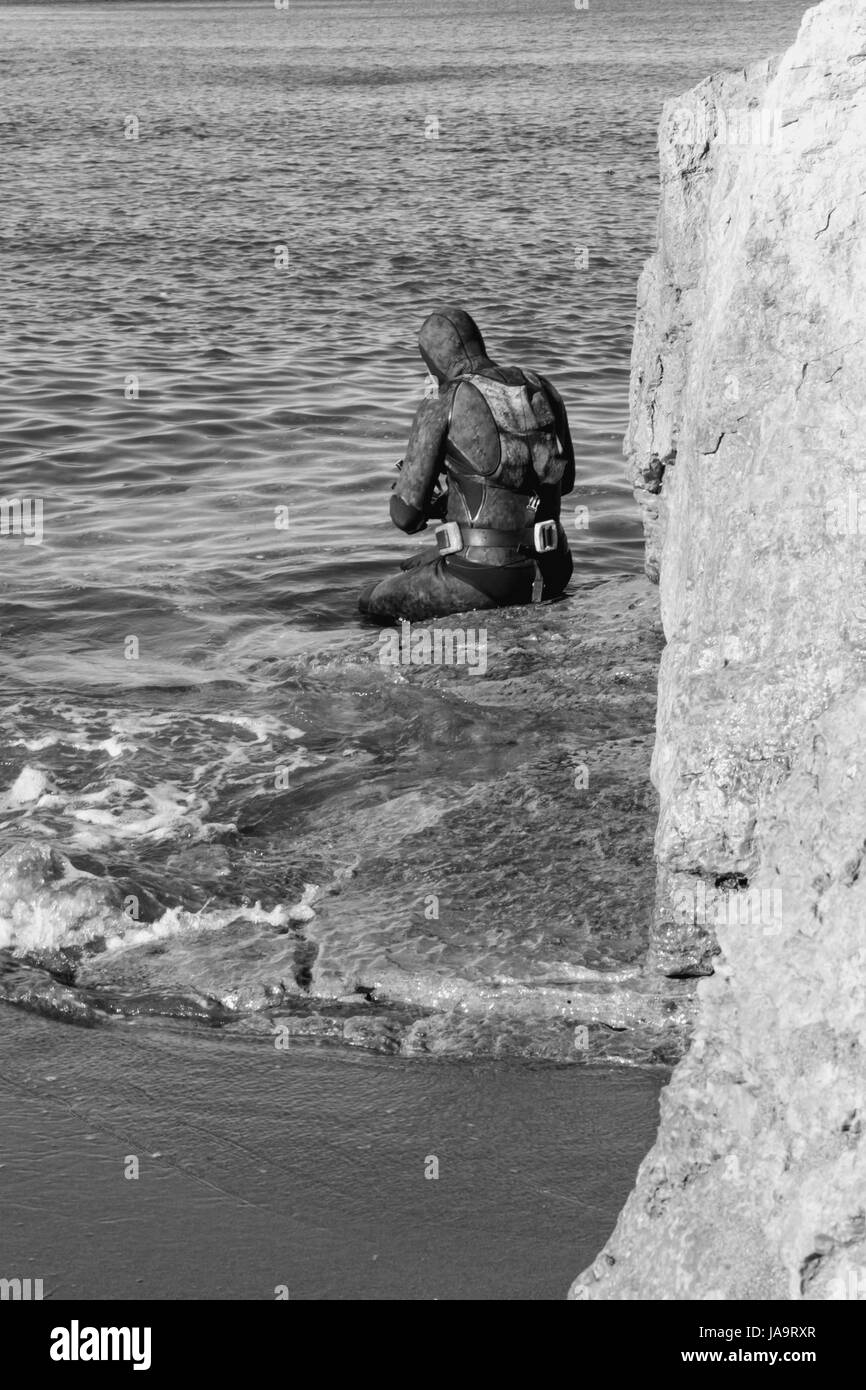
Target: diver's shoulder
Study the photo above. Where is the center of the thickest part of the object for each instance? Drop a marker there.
(431, 406)
(505, 375)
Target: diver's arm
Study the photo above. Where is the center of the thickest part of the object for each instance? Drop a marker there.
(425, 456)
(560, 416)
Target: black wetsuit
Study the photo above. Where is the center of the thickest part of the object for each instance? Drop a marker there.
(501, 436)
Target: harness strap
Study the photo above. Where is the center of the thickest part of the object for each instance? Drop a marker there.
(489, 536)
(455, 536)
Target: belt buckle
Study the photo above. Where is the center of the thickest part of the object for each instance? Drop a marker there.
(449, 538)
(544, 536)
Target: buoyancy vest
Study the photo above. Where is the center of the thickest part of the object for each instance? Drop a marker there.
(529, 455)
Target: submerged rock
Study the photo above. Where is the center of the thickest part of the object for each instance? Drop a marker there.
(747, 450)
(480, 842)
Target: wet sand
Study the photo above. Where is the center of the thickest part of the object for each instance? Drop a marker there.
(303, 1168)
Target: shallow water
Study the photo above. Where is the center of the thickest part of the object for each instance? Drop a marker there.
(470, 873)
(187, 714)
(260, 1169)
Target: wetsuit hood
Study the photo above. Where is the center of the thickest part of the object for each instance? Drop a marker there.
(451, 343)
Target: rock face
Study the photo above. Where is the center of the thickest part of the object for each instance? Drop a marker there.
(748, 453)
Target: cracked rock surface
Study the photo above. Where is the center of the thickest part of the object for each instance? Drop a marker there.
(746, 448)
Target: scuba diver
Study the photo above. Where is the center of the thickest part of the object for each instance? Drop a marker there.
(500, 436)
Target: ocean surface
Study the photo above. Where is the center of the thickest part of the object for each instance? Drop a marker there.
(203, 437)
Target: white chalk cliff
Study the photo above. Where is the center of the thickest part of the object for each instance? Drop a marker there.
(748, 451)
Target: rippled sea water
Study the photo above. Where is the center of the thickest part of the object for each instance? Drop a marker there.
(196, 742)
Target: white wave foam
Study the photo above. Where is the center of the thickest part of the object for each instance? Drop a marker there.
(46, 904)
(263, 727)
(29, 787)
(178, 922)
(112, 745)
